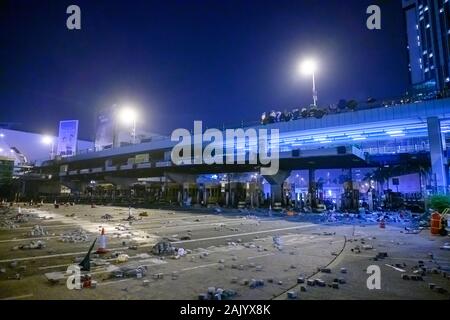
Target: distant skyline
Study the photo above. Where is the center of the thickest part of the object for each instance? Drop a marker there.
(180, 61)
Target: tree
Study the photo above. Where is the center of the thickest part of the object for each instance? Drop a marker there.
(352, 105)
(342, 104)
(439, 202)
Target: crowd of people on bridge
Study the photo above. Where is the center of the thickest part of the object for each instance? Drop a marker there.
(342, 106)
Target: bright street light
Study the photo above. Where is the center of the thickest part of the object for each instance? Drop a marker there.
(309, 67)
(128, 116)
(47, 140)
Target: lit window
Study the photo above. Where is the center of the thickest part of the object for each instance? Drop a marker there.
(447, 79)
(428, 26)
(441, 10)
(426, 70)
(430, 55)
(432, 67)
(426, 8)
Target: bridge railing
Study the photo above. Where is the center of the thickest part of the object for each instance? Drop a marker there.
(328, 110)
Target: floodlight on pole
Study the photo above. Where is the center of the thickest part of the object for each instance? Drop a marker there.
(49, 140)
(309, 67)
(127, 116)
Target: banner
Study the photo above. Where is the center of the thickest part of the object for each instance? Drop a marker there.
(67, 138)
(142, 158)
(104, 136)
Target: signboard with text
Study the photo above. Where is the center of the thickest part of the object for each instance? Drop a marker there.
(67, 138)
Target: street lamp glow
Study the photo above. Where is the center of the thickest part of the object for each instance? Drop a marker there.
(127, 115)
(47, 140)
(308, 67)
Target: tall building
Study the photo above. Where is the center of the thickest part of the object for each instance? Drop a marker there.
(428, 35)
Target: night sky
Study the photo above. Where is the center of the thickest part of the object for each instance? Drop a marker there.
(180, 61)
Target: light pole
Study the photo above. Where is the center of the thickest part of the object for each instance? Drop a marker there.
(48, 140)
(309, 67)
(128, 116)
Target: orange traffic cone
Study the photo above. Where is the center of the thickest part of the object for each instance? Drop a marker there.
(102, 243)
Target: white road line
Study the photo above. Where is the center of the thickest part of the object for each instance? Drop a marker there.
(198, 267)
(260, 256)
(190, 226)
(175, 242)
(18, 297)
(244, 234)
(74, 222)
(29, 239)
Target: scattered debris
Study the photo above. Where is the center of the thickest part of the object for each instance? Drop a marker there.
(254, 283)
(38, 244)
(122, 258)
(277, 242)
(74, 236)
(217, 294)
(163, 248)
(319, 282)
(130, 272)
(324, 270)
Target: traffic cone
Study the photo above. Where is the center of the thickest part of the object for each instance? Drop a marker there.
(382, 224)
(102, 243)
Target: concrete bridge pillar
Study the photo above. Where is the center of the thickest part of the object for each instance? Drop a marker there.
(438, 161)
(312, 188)
(276, 184)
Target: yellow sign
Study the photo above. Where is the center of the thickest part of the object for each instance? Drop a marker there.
(142, 158)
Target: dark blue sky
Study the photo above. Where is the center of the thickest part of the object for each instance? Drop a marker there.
(180, 61)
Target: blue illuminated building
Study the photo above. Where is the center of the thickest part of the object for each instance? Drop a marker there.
(428, 36)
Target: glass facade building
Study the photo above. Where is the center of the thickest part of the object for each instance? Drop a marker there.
(428, 37)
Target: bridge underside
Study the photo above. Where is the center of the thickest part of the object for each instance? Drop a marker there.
(326, 158)
(344, 161)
